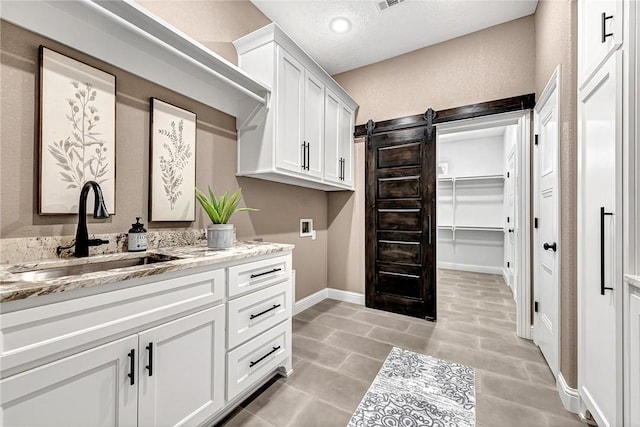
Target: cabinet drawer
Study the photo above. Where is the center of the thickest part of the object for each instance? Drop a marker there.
(256, 275)
(258, 311)
(252, 361)
(41, 332)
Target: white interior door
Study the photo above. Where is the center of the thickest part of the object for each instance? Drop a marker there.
(546, 250)
(600, 245)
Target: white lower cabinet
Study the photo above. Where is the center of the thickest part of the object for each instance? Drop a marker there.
(181, 370)
(177, 350)
(91, 388)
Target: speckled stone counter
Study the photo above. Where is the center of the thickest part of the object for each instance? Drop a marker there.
(632, 280)
(12, 289)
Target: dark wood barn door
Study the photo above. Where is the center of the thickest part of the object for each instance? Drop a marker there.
(401, 222)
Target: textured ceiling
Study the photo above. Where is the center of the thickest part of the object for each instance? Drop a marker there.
(377, 35)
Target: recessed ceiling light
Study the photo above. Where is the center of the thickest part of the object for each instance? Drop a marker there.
(340, 25)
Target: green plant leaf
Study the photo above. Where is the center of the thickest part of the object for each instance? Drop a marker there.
(220, 210)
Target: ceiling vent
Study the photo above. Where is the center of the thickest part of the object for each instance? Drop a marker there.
(386, 4)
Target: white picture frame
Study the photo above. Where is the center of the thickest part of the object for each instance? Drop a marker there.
(173, 163)
(77, 133)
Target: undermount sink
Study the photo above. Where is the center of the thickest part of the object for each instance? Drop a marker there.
(91, 267)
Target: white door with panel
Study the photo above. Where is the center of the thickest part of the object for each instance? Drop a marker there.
(181, 370)
(291, 149)
(97, 387)
(313, 126)
(599, 244)
(600, 34)
(546, 250)
(346, 144)
(338, 141)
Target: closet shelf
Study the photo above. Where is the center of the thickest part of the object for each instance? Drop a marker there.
(471, 228)
(127, 36)
(471, 178)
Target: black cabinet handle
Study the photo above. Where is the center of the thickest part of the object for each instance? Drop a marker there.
(253, 316)
(429, 226)
(308, 154)
(150, 365)
(511, 231)
(132, 366)
(253, 276)
(603, 287)
(252, 364)
(304, 155)
(604, 27)
(552, 246)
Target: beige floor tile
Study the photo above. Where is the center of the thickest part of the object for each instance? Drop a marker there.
(278, 404)
(564, 421)
(382, 320)
(540, 374)
(511, 348)
(309, 314)
(523, 392)
(443, 333)
(333, 387)
(311, 329)
(335, 309)
(505, 366)
(406, 341)
(494, 412)
(318, 352)
(365, 346)
(361, 367)
(318, 413)
(242, 418)
(347, 325)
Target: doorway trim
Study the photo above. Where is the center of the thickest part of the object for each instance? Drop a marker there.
(523, 208)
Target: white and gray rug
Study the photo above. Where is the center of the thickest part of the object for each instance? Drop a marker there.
(413, 390)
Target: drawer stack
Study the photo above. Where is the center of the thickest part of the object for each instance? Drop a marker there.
(259, 307)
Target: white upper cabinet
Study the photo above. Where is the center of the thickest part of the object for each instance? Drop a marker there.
(600, 34)
(305, 134)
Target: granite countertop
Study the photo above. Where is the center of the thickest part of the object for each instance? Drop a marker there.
(633, 280)
(12, 288)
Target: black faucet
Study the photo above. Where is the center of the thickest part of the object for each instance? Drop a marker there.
(99, 212)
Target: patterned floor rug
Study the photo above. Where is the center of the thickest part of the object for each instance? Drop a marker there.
(413, 390)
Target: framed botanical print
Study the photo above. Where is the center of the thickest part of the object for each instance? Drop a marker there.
(77, 132)
(173, 163)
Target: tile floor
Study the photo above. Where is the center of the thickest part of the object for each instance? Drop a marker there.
(338, 349)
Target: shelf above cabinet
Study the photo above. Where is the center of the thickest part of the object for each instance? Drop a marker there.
(127, 36)
(471, 178)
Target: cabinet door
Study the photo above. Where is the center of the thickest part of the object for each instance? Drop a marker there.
(346, 145)
(600, 244)
(313, 124)
(182, 370)
(332, 159)
(289, 113)
(87, 389)
(600, 34)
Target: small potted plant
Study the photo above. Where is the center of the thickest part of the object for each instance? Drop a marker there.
(219, 233)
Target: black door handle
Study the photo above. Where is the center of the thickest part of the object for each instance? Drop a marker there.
(604, 27)
(552, 246)
(149, 348)
(132, 366)
(603, 287)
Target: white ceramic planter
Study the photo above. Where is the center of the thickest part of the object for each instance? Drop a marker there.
(219, 236)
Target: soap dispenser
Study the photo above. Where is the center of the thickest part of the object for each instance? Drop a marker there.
(137, 237)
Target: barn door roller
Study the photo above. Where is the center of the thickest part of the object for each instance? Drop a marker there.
(429, 115)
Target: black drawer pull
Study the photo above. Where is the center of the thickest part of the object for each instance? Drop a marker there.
(253, 276)
(252, 364)
(132, 368)
(253, 316)
(150, 365)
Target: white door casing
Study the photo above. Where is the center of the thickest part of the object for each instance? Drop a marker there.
(600, 244)
(510, 222)
(546, 239)
(522, 119)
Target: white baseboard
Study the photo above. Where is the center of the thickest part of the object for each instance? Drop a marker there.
(569, 396)
(310, 301)
(346, 296)
(337, 294)
(470, 267)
